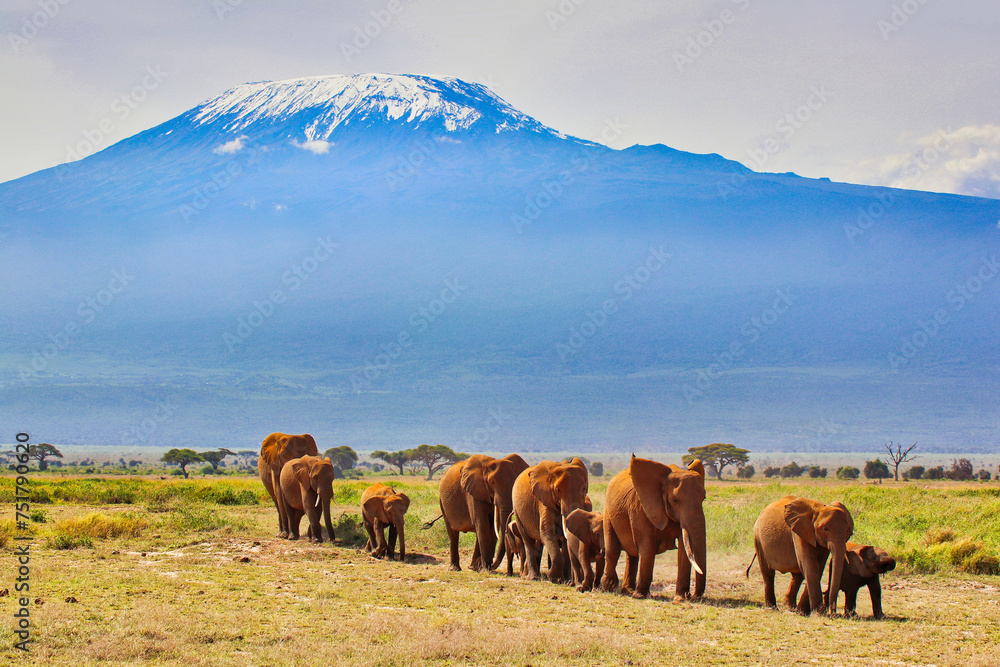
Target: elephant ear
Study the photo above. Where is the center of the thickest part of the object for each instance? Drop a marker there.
(578, 523)
(405, 499)
(300, 467)
(648, 478)
(375, 507)
(847, 514)
(859, 563)
(474, 479)
(588, 504)
(540, 480)
(698, 467)
(799, 517)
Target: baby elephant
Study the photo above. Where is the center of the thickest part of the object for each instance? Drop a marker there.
(864, 565)
(381, 506)
(585, 543)
(514, 544)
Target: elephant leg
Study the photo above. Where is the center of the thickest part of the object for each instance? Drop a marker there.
(294, 520)
(532, 558)
(455, 566)
(372, 541)
(612, 552)
(767, 575)
(875, 590)
(586, 572)
(647, 558)
(851, 601)
(313, 515)
(812, 570)
(477, 557)
(382, 546)
(554, 543)
(793, 591)
(279, 502)
(392, 542)
(482, 520)
(631, 572)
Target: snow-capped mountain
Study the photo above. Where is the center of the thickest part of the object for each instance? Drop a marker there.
(390, 259)
(321, 104)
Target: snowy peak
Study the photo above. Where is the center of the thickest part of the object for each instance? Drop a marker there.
(319, 105)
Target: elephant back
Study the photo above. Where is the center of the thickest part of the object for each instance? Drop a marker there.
(280, 447)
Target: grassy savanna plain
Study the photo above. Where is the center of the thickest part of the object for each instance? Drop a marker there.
(188, 572)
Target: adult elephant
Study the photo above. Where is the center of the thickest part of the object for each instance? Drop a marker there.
(475, 496)
(797, 535)
(544, 495)
(382, 507)
(277, 450)
(648, 507)
(307, 487)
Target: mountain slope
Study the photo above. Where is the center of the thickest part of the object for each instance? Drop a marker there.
(380, 259)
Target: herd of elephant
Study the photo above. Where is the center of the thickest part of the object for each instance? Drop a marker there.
(517, 510)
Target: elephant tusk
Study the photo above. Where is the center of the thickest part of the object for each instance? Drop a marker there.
(317, 500)
(690, 552)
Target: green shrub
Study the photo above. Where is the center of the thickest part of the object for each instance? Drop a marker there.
(350, 530)
(63, 540)
(848, 472)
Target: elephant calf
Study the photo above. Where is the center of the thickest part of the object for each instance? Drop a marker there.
(381, 506)
(585, 543)
(306, 485)
(514, 546)
(864, 565)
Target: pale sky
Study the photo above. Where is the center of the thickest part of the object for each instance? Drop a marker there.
(900, 92)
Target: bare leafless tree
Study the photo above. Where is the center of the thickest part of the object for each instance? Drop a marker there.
(899, 456)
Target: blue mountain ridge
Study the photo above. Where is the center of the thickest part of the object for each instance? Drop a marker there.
(384, 260)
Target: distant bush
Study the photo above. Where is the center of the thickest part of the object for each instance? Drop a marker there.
(848, 472)
(793, 469)
(915, 472)
(771, 471)
(877, 469)
(816, 472)
(961, 470)
(597, 469)
(746, 472)
(935, 473)
(984, 475)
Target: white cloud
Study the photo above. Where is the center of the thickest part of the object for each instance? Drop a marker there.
(230, 147)
(316, 146)
(963, 161)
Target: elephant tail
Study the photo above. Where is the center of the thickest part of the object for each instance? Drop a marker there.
(431, 523)
(751, 563)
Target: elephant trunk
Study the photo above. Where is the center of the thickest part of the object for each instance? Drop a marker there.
(504, 509)
(838, 553)
(327, 500)
(695, 546)
(401, 533)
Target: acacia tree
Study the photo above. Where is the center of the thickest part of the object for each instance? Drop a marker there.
(215, 456)
(344, 456)
(183, 458)
(717, 454)
(41, 452)
(397, 459)
(899, 456)
(249, 457)
(435, 457)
